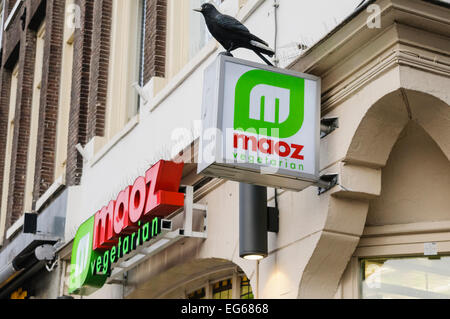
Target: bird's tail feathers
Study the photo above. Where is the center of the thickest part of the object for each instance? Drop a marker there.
(254, 37)
(262, 48)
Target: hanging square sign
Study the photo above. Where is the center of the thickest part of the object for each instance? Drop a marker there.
(260, 125)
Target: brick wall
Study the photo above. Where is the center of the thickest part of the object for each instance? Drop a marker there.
(90, 71)
(155, 39)
(19, 44)
(78, 117)
(101, 39)
(10, 56)
(48, 111)
(89, 85)
(20, 145)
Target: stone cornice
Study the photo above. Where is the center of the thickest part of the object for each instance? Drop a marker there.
(395, 58)
(413, 33)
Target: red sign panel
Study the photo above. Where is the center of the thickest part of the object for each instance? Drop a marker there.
(155, 195)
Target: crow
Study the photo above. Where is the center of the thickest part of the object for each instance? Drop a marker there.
(232, 34)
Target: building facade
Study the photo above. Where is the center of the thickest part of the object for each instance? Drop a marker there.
(93, 93)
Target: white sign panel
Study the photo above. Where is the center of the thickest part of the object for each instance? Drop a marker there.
(261, 125)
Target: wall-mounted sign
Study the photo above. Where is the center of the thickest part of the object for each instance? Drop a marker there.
(123, 225)
(261, 125)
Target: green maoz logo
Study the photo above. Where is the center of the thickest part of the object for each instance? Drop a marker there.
(89, 269)
(270, 103)
(82, 272)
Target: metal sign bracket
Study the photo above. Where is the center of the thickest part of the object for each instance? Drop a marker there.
(167, 238)
(327, 182)
(328, 125)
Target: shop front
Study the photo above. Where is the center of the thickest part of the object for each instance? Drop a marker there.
(381, 231)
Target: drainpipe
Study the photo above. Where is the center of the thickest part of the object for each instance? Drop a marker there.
(276, 5)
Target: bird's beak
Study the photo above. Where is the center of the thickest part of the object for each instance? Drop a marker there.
(198, 10)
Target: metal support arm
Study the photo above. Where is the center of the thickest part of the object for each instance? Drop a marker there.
(328, 125)
(327, 182)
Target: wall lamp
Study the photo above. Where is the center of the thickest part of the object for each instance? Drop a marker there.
(255, 220)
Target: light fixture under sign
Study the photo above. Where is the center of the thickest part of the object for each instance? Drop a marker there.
(254, 257)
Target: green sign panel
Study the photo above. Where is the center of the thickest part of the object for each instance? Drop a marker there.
(83, 277)
(90, 268)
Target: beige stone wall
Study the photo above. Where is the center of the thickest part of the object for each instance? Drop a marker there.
(413, 207)
(415, 182)
(391, 146)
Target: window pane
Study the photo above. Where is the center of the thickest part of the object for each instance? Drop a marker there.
(198, 294)
(222, 289)
(246, 289)
(406, 278)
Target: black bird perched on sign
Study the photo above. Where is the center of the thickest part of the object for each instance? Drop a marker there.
(232, 34)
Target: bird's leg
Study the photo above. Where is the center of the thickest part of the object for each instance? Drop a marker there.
(227, 53)
(230, 48)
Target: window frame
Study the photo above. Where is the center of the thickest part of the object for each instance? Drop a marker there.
(235, 278)
(2, 21)
(8, 154)
(12, 14)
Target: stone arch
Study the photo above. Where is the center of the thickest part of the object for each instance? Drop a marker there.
(368, 151)
(416, 179)
(385, 120)
(185, 276)
(433, 114)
